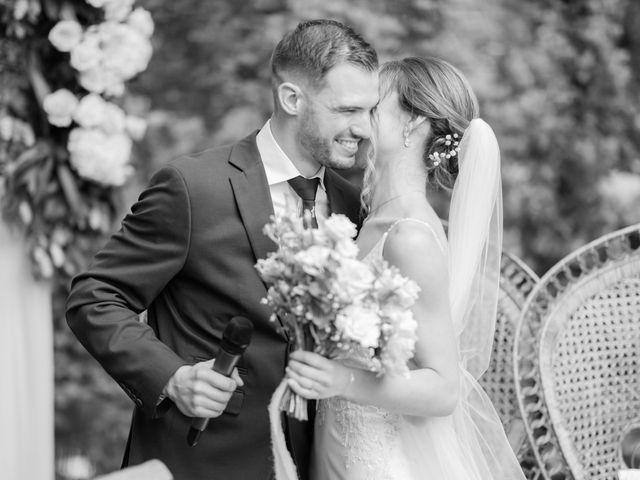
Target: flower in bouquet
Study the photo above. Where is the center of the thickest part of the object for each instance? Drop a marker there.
(395, 294)
(360, 323)
(330, 302)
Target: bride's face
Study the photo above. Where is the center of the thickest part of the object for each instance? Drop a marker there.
(391, 120)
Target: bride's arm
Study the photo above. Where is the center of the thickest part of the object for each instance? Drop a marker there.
(432, 388)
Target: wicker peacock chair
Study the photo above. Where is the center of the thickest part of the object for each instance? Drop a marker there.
(577, 359)
(516, 283)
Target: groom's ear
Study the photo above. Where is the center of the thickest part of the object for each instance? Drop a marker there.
(289, 97)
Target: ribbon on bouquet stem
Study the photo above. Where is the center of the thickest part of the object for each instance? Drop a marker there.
(283, 464)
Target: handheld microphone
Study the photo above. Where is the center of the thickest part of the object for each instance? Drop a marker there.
(235, 339)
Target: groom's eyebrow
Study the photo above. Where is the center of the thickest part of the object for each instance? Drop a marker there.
(351, 108)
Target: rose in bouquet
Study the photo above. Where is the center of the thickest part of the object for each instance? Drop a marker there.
(330, 302)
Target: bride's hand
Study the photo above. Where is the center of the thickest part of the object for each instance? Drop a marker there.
(313, 376)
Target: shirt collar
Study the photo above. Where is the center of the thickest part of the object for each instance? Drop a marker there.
(277, 165)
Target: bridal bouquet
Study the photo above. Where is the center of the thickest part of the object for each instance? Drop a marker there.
(330, 302)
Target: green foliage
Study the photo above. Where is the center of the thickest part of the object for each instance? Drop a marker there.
(92, 413)
(557, 80)
(567, 119)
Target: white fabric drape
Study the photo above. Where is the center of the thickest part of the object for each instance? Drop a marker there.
(26, 366)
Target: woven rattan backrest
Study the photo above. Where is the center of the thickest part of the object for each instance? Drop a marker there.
(516, 282)
(577, 358)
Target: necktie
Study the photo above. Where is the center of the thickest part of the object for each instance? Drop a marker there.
(306, 189)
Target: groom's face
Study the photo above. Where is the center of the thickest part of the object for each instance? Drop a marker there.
(337, 116)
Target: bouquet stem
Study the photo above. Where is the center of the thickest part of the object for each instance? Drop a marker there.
(294, 405)
(291, 403)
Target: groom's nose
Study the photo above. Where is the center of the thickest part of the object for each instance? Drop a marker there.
(361, 126)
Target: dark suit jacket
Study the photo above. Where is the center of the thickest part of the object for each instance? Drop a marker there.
(186, 254)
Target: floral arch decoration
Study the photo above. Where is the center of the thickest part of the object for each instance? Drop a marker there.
(66, 133)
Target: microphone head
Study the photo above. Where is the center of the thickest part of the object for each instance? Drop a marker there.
(237, 335)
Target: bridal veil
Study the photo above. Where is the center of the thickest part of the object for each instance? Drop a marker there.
(471, 443)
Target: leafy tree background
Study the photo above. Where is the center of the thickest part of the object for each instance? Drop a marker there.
(558, 80)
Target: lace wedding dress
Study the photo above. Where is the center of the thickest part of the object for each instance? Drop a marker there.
(358, 442)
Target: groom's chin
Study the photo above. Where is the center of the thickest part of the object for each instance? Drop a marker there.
(342, 162)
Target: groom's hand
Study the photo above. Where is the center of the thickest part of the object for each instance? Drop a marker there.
(200, 392)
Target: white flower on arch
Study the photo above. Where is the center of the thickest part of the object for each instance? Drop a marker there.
(65, 35)
(59, 107)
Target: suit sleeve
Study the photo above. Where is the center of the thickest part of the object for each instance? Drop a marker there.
(124, 278)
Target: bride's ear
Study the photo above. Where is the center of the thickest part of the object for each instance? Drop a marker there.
(415, 121)
(289, 97)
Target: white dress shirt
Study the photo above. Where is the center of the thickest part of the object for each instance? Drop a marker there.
(279, 169)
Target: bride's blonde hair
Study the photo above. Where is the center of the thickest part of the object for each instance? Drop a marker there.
(435, 89)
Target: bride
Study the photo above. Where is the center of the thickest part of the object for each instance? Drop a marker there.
(437, 423)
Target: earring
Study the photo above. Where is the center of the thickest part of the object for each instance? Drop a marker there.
(407, 143)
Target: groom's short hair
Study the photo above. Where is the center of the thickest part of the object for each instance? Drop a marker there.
(316, 46)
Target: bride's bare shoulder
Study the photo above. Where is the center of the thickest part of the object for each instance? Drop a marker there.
(418, 251)
(415, 235)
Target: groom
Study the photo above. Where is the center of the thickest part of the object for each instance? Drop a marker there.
(186, 254)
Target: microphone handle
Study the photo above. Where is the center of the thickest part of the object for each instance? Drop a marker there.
(224, 364)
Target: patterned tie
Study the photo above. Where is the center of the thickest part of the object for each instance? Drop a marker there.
(306, 189)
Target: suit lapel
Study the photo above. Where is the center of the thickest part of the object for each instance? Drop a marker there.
(252, 195)
(253, 198)
(340, 199)
(335, 194)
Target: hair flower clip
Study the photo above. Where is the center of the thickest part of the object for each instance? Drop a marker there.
(451, 148)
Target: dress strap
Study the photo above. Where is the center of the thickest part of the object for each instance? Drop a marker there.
(421, 222)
